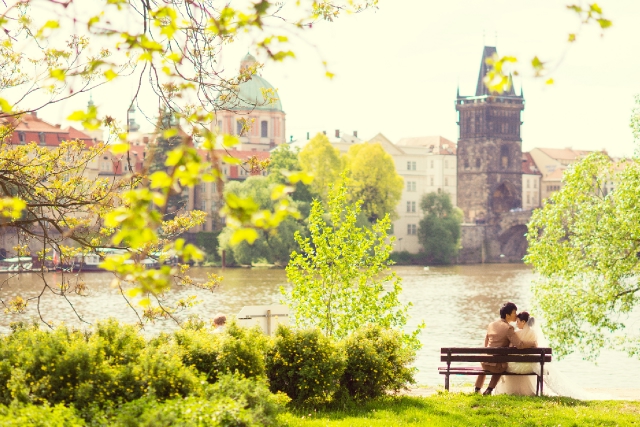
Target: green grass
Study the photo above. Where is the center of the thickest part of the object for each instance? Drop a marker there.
(457, 409)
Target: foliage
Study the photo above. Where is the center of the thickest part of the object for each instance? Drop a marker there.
(407, 258)
(39, 416)
(173, 48)
(239, 350)
(378, 361)
(461, 410)
(323, 161)
(584, 245)
(232, 401)
(439, 229)
(285, 160)
(208, 242)
(374, 181)
(274, 246)
(304, 364)
(341, 277)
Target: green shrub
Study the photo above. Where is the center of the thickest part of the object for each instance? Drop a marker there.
(232, 401)
(378, 361)
(304, 364)
(39, 416)
(240, 350)
(407, 258)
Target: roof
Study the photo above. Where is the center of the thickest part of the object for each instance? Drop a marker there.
(555, 175)
(238, 154)
(528, 165)
(565, 153)
(434, 144)
(249, 95)
(29, 128)
(481, 89)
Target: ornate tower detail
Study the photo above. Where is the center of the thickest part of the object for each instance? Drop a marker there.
(489, 150)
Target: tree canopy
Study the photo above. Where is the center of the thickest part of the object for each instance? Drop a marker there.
(439, 229)
(374, 180)
(584, 243)
(323, 161)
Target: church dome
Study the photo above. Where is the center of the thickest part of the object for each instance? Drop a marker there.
(249, 95)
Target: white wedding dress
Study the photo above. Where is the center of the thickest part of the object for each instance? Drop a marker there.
(555, 383)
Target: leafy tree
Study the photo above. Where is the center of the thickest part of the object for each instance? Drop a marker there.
(283, 161)
(172, 47)
(274, 246)
(323, 161)
(340, 276)
(167, 140)
(374, 180)
(439, 229)
(584, 244)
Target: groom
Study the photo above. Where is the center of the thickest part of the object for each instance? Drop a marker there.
(501, 334)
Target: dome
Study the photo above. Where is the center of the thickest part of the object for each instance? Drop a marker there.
(249, 95)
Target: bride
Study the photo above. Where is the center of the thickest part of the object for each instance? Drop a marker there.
(555, 383)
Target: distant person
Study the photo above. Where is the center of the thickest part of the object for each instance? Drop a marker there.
(219, 322)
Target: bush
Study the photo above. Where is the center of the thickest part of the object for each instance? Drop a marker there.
(304, 364)
(232, 401)
(377, 361)
(39, 416)
(407, 258)
(240, 350)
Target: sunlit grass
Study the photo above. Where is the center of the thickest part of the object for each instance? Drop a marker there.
(449, 409)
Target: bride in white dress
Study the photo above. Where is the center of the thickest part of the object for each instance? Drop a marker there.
(555, 383)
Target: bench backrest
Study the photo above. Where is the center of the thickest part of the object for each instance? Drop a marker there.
(495, 354)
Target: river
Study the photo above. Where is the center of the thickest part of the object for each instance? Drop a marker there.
(456, 303)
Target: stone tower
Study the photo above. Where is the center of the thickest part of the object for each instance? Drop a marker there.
(489, 150)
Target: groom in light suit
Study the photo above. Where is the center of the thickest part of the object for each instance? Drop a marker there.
(501, 334)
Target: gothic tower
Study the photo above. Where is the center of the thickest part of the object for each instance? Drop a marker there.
(489, 150)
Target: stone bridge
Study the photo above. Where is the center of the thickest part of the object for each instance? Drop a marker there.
(501, 239)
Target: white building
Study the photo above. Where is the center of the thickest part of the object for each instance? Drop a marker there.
(427, 164)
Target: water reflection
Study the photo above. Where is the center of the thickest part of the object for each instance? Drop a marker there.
(456, 303)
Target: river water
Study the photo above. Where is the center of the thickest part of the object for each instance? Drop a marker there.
(456, 303)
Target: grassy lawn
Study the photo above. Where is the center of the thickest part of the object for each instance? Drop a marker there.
(472, 410)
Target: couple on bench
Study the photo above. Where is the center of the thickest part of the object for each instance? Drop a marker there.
(528, 335)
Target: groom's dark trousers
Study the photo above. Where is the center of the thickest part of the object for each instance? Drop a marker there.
(498, 368)
(500, 334)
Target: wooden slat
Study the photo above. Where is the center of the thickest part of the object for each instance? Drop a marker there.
(494, 359)
(495, 350)
(478, 372)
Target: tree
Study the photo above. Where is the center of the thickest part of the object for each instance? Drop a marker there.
(374, 180)
(323, 161)
(274, 246)
(283, 161)
(54, 49)
(439, 229)
(340, 276)
(167, 140)
(585, 245)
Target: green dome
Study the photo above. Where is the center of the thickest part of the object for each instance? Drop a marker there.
(250, 97)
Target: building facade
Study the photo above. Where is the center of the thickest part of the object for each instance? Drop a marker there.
(253, 112)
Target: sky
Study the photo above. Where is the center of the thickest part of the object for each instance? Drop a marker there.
(397, 70)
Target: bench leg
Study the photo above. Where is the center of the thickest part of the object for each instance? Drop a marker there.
(537, 385)
(542, 385)
(446, 382)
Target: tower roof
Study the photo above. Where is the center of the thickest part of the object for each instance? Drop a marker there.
(481, 88)
(250, 94)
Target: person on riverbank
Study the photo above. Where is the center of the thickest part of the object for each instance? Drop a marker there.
(501, 334)
(219, 322)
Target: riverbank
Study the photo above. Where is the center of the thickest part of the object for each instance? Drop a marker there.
(455, 409)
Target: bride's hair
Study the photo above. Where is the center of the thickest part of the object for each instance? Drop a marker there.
(523, 315)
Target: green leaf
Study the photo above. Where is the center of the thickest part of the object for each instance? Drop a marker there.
(58, 74)
(248, 235)
(110, 75)
(5, 106)
(119, 148)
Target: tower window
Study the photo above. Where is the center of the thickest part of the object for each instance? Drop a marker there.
(504, 156)
(264, 129)
(41, 137)
(239, 128)
(22, 137)
(466, 163)
(478, 162)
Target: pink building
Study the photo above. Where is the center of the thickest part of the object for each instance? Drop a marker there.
(253, 112)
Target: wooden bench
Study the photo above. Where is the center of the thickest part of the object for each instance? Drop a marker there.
(451, 355)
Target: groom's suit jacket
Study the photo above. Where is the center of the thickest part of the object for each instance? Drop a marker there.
(502, 334)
